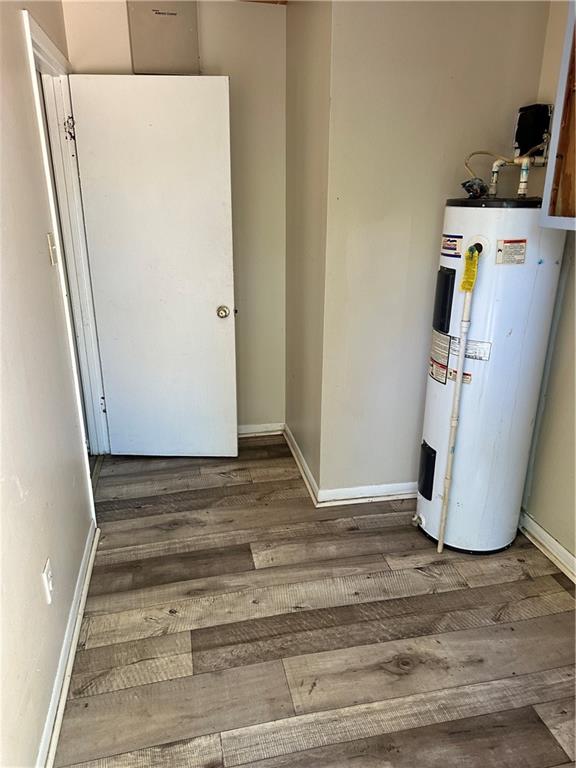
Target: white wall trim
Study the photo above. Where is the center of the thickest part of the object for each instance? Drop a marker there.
(48, 57)
(360, 494)
(51, 732)
(366, 493)
(253, 430)
(305, 470)
(45, 57)
(546, 219)
(58, 106)
(552, 548)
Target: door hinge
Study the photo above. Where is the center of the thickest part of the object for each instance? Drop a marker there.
(52, 249)
(69, 128)
(103, 404)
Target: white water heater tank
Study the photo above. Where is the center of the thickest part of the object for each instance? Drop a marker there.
(512, 305)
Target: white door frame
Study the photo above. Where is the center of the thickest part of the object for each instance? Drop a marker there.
(45, 58)
(546, 218)
(61, 172)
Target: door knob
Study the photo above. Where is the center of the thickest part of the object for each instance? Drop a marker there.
(222, 311)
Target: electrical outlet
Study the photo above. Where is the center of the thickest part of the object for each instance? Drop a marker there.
(48, 581)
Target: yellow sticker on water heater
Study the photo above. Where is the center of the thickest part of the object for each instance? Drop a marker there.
(470, 269)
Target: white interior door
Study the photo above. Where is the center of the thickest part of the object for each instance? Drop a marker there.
(154, 159)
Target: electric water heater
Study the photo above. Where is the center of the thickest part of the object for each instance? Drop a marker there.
(514, 266)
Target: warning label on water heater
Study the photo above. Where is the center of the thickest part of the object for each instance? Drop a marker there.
(439, 354)
(511, 252)
(475, 350)
(466, 377)
(438, 372)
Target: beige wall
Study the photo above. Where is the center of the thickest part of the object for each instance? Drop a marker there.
(164, 36)
(247, 42)
(307, 118)
(552, 502)
(98, 37)
(410, 98)
(553, 46)
(44, 492)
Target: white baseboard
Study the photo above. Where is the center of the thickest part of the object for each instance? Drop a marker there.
(552, 548)
(361, 494)
(305, 471)
(49, 740)
(253, 430)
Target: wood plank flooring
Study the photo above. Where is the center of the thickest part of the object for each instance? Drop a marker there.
(229, 622)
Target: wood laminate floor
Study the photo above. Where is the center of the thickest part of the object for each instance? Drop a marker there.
(231, 623)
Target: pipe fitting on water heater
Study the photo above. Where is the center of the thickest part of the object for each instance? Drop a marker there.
(531, 141)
